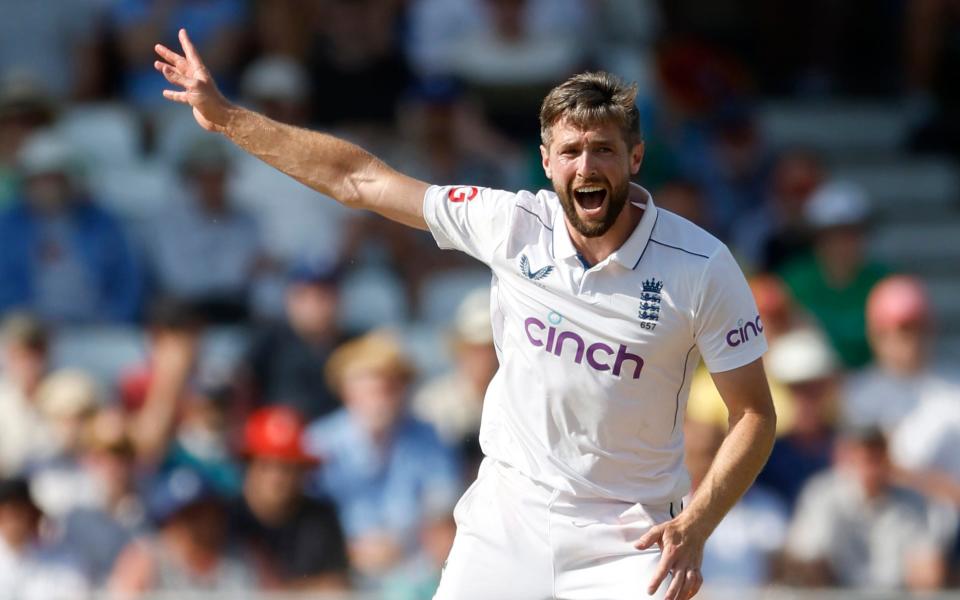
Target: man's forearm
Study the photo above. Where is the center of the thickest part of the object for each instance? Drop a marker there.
(330, 165)
(740, 458)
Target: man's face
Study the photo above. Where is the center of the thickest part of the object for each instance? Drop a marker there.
(900, 347)
(375, 400)
(590, 170)
(275, 483)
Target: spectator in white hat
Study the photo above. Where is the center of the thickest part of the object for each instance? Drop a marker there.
(61, 255)
(453, 401)
(803, 361)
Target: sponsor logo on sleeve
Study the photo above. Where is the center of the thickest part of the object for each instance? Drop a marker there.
(462, 194)
(744, 332)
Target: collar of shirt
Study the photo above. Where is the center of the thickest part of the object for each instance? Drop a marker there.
(629, 253)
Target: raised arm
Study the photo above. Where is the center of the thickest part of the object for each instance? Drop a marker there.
(327, 164)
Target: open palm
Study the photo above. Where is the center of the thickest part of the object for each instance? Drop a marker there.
(210, 108)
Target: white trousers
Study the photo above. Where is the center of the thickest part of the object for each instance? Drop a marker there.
(519, 540)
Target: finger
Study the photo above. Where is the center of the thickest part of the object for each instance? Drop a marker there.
(648, 539)
(188, 49)
(176, 78)
(694, 582)
(170, 56)
(676, 585)
(176, 96)
(663, 568)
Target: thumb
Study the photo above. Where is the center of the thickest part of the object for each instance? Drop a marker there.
(654, 536)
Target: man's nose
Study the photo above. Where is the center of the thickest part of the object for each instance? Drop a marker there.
(586, 165)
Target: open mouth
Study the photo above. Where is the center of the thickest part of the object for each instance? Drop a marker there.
(590, 198)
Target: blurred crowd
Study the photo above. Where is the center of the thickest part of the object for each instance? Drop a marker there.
(326, 449)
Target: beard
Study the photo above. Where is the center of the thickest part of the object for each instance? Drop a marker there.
(616, 199)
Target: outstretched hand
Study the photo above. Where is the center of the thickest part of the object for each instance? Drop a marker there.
(210, 108)
(681, 556)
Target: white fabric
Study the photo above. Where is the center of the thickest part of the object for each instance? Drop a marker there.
(589, 396)
(25, 436)
(874, 397)
(928, 438)
(518, 540)
(39, 574)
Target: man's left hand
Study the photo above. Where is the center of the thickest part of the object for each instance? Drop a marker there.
(681, 555)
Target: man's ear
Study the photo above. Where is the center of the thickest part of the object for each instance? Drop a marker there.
(545, 160)
(636, 158)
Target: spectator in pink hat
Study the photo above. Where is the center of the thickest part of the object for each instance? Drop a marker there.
(899, 329)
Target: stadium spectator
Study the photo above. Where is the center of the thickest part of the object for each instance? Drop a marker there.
(96, 534)
(205, 250)
(356, 46)
(24, 431)
(735, 165)
(68, 400)
(509, 52)
(444, 137)
(54, 41)
(217, 26)
(741, 552)
(776, 232)
(854, 528)
(62, 256)
(189, 553)
(452, 402)
(832, 282)
(24, 109)
(31, 568)
(803, 361)
(388, 472)
(299, 539)
(900, 331)
(285, 364)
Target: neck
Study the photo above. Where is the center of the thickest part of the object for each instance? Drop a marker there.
(597, 249)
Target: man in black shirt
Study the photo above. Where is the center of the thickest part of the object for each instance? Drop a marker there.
(286, 361)
(298, 540)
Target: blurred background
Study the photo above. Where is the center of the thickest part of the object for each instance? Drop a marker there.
(216, 382)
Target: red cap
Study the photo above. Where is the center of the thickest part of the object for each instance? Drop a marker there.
(897, 300)
(276, 432)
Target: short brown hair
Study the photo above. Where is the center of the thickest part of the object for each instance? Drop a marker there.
(591, 98)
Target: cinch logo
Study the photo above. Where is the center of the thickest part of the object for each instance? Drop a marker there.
(462, 194)
(744, 332)
(597, 354)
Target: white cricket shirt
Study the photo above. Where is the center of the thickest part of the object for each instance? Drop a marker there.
(595, 364)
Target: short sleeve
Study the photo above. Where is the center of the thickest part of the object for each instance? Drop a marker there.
(472, 219)
(728, 329)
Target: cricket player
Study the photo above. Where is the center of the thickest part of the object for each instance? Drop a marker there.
(602, 306)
